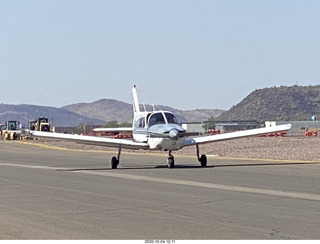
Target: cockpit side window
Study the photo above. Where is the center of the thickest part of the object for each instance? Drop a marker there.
(156, 118)
(171, 119)
(140, 123)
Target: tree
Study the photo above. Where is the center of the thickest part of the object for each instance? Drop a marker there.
(114, 124)
(81, 128)
(111, 124)
(207, 125)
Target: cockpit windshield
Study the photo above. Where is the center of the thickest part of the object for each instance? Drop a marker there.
(156, 118)
(162, 118)
(171, 119)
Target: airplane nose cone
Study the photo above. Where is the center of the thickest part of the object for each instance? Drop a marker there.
(174, 134)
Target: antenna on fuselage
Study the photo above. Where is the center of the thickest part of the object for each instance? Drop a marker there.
(136, 108)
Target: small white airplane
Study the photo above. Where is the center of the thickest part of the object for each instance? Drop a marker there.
(156, 130)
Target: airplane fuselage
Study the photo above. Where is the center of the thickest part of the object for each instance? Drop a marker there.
(160, 129)
(166, 144)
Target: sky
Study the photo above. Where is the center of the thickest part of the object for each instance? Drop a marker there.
(186, 54)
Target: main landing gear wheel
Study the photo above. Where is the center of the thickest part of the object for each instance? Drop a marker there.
(203, 160)
(114, 163)
(116, 160)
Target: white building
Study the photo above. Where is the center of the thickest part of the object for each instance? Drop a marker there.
(193, 127)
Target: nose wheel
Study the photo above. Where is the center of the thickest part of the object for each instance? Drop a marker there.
(170, 161)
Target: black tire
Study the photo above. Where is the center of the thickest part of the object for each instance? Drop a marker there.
(203, 160)
(114, 163)
(170, 162)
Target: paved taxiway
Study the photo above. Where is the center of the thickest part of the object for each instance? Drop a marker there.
(55, 194)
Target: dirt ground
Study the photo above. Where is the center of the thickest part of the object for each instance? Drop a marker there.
(284, 148)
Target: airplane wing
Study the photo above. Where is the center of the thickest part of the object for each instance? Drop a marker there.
(120, 129)
(92, 140)
(237, 134)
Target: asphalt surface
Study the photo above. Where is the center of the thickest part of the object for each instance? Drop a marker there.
(47, 193)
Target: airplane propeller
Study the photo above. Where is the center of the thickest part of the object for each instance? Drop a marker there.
(174, 134)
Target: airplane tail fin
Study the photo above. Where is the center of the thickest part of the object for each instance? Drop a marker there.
(136, 108)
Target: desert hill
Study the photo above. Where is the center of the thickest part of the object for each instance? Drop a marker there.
(60, 117)
(109, 109)
(95, 113)
(277, 103)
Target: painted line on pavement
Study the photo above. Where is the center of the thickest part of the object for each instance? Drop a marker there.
(277, 193)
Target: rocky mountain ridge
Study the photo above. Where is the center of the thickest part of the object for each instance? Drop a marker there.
(277, 103)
